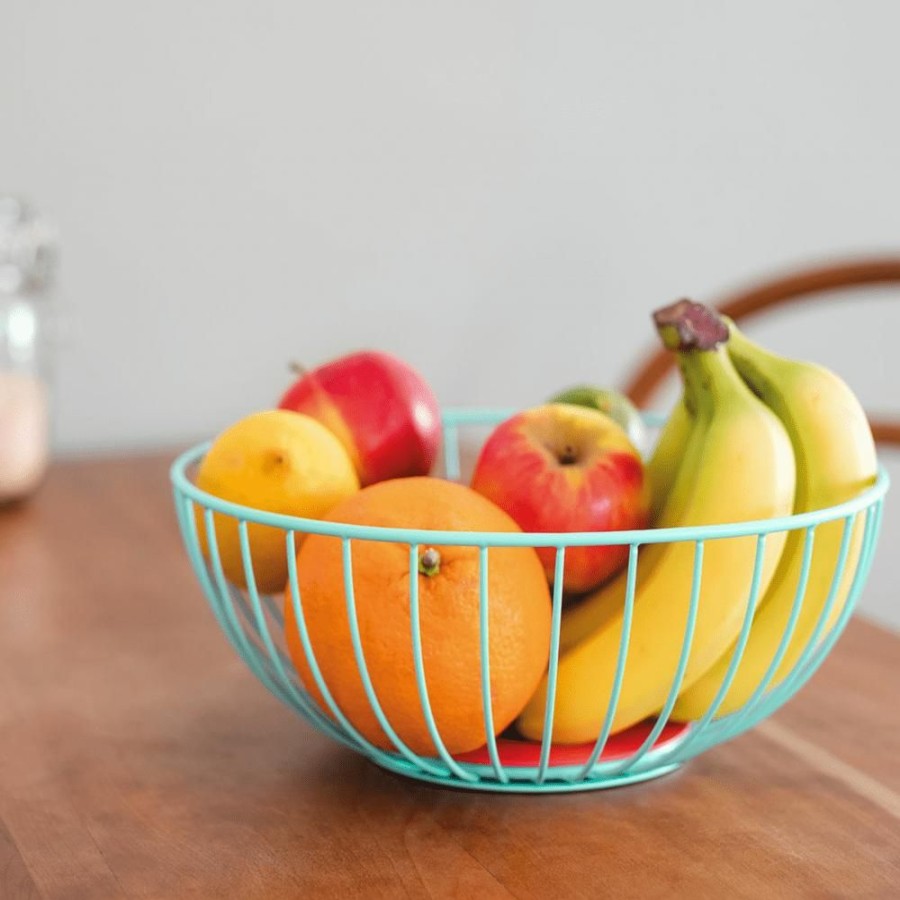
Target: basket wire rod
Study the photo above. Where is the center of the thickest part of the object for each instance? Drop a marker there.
(784, 643)
(451, 451)
(299, 698)
(231, 598)
(850, 525)
(465, 415)
(699, 728)
(618, 678)
(271, 609)
(240, 601)
(461, 415)
(237, 597)
(304, 704)
(864, 565)
(223, 611)
(249, 649)
(487, 709)
(675, 690)
(800, 677)
(419, 667)
(352, 734)
(184, 508)
(228, 622)
(739, 723)
(274, 612)
(383, 534)
(349, 593)
(261, 627)
(553, 667)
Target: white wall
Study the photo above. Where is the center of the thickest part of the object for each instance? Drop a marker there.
(499, 191)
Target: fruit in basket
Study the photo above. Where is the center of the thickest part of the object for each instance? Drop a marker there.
(662, 467)
(280, 462)
(835, 461)
(448, 589)
(614, 403)
(738, 465)
(380, 408)
(561, 467)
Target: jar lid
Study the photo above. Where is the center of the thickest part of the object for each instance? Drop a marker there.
(28, 248)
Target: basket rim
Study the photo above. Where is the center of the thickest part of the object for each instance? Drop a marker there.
(483, 416)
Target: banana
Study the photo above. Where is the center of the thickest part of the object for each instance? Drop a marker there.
(663, 465)
(836, 460)
(662, 468)
(737, 465)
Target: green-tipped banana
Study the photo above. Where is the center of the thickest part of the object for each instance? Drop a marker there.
(737, 465)
(835, 461)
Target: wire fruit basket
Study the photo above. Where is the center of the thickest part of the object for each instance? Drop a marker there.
(253, 622)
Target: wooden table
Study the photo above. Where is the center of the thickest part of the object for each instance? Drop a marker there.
(138, 757)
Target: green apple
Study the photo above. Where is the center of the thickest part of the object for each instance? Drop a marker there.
(616, 405)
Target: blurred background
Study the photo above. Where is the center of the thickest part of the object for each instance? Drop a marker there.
(499, 192)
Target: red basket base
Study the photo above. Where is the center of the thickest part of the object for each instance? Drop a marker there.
(523, 753)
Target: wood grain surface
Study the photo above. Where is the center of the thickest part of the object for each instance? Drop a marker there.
(139, 758)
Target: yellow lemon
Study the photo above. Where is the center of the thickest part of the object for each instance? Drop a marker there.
(278, 461)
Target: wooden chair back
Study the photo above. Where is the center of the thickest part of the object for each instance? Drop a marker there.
(804, 285)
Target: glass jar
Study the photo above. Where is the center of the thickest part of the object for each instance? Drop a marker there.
(28, 256)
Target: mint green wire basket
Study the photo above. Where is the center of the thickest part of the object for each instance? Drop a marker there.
(254, 624)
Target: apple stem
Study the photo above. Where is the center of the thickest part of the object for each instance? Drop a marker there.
(296, 368)
(430, 562)
(568, 455)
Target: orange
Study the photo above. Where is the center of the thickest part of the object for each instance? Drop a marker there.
(518, 617)
(277, 461)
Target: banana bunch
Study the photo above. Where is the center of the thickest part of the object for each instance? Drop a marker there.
(754, 436)
(836, 460)
(723, 457)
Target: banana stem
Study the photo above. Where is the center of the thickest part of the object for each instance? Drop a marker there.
(686, 326)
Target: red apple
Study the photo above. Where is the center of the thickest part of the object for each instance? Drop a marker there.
(562, 467)
(380, 408)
